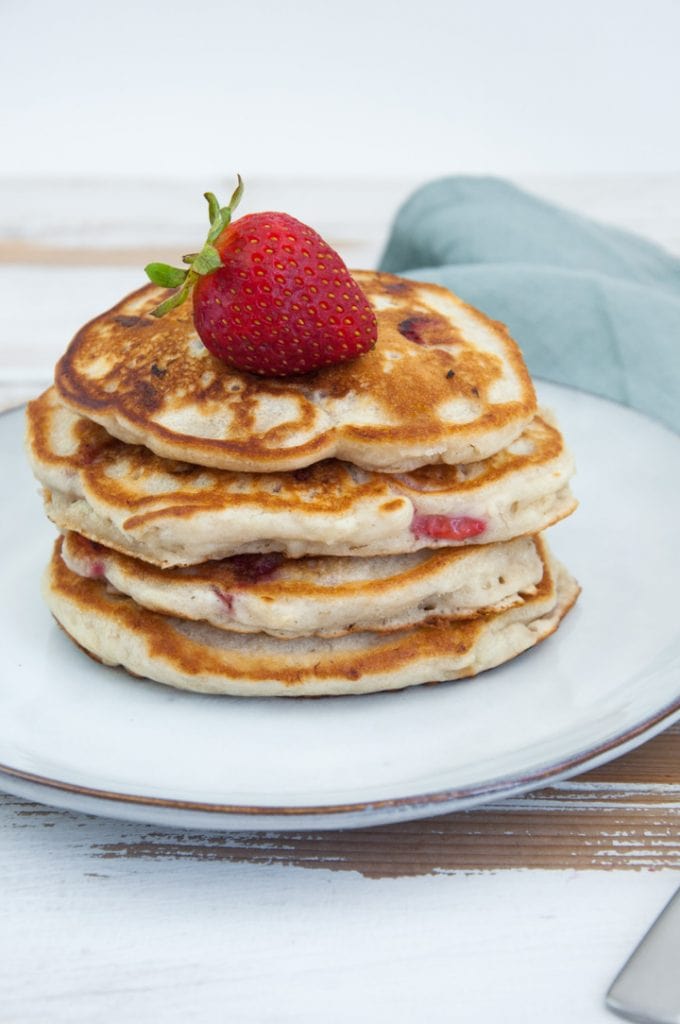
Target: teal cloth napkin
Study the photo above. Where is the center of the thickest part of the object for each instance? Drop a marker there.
(590, 305)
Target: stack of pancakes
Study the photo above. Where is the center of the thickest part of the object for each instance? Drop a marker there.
(368, 526)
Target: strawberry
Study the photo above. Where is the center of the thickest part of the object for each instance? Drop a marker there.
(440, 527)
(269, 295)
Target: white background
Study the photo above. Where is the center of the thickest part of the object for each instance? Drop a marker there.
(368, 88)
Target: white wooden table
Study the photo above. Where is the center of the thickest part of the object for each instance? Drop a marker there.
(518, 912)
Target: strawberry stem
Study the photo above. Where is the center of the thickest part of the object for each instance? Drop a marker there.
(207, 260)
(177, 298)
(204, 262)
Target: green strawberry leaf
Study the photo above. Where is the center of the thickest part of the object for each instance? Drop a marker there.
(222, 218)
(207, 260)
(175, 300)
(213, 205)
(164, 275)
(236, 194)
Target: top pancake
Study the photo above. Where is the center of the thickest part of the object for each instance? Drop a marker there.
(443, 384)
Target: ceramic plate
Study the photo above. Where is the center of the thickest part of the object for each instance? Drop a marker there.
(78, 735)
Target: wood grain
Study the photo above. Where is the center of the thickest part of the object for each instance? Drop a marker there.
(253, 938)
(623, 816)
(17, 252)
(499, 838)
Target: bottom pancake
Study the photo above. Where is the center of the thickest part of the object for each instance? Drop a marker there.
(196, 656)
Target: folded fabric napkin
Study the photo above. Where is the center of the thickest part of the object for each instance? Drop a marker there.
(590, 305)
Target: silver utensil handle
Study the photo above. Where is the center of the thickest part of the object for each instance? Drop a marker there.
(647, 988)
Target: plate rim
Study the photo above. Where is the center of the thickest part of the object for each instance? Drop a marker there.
(437, 801)
(501, 786)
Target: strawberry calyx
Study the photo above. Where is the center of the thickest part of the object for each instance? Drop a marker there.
(199, 263)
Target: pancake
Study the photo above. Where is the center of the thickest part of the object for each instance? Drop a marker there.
(171, 513)
(196, 656)
(443, 384)
(321, 596)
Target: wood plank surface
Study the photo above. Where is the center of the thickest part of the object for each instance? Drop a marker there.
(92, 932)
(624, 815)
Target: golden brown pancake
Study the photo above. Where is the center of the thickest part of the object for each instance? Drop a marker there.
(195, 656)
(325, 596)
(173, 513)
(443, 384)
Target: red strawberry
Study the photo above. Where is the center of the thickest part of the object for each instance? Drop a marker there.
(440, 527)
(269, 295)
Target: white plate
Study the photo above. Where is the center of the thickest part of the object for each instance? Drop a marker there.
(78, 735)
